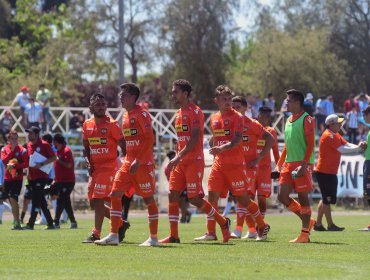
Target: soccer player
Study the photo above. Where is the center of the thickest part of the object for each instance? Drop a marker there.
(252, 132)
(366, 178)
(15, 158)
(137, 168)
(37, 178)
(332, 145)
(101, 136)
(188, 164)
(228, 169)
(296, 163)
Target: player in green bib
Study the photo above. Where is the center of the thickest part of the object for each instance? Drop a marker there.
(296, 163)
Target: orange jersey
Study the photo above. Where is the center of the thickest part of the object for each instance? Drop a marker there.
(329, 156)
(224, 127)
(187, 119)
(252, 131)
(103, 141)
(139, 137)
(266, 160)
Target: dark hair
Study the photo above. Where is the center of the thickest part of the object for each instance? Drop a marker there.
(171, 154)
(132, 89)
(184, 85)
(223, 89)
(95, 97)
(270, 94)
(367, 110)
(48, 138)
(296, 95)
(41, 85)
(241, 99)
(265, 109)
(59, 138)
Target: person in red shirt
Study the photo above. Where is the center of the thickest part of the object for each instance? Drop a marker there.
(252, 132)
(137, 168)
(15, 159)
(41, 154)
(187, 166)
(64, 180)
(101, 136)
(332, 145)
(228, 169)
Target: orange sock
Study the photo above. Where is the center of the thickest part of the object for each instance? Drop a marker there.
(173, 217)
(241, 214)
(250, 222)
(256, 214)
(211, 211)
(305, 232)
(211, 220)
(295, 207)
(115, 214)
(96, 232)
(153, 219)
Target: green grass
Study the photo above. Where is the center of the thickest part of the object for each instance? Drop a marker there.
(59, 254)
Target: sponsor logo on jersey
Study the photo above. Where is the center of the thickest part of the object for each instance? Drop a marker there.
(221, 132)
(132, 121)
(245, 137)
(99, 151)
(145, 186)
(191, 186)
(38, 149)
(130, 131)
(182, 128)
(226, 122)
(104, 130)
(238, 184)
(261, 142)
(183, 138)
(132, 143)
(97, 141)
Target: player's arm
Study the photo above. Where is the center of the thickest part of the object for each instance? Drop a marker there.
(194, 138)
(215, 150)
(269, 141)
(25, 161)
(122, 145)
(211, 142)
(281, 161)
(87, 156)
(51, 157)
(68, 163)
(5, 157)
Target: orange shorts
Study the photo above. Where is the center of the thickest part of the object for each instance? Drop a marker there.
(224, 179)
(300, 184)
(143, 180)
(263, 181)
(188, 176)
(251, 180)
(100, 184)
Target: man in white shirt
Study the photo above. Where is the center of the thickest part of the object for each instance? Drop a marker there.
(33, 113)
(22, 99)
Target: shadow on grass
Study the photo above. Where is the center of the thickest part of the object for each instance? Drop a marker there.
(328, 243)
(207, 243)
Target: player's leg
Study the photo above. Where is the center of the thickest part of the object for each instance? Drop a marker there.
(173, 217)
(13, 199)
(153, 222)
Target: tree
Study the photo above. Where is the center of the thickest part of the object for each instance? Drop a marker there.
(197, 35)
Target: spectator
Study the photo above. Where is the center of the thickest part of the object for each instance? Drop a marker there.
(352, 117)
(75, 123)
(6, 124)
(284, 108)
(320, 117)
(257, 104)
(270, 103)
(43, 98)
(327, 106)
(33, 113)
(350, 103)
(363, 101)
(22, 99)
(308, 104)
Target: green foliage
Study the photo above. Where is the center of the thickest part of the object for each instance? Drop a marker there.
(277, 61)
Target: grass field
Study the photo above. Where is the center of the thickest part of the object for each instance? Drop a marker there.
(59, 254)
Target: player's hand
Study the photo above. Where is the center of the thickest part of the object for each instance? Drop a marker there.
(363, 145)
(38, 165)
(173, 163)
(134, 166)
(90, 169)
(215, 150)
(300, 171)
